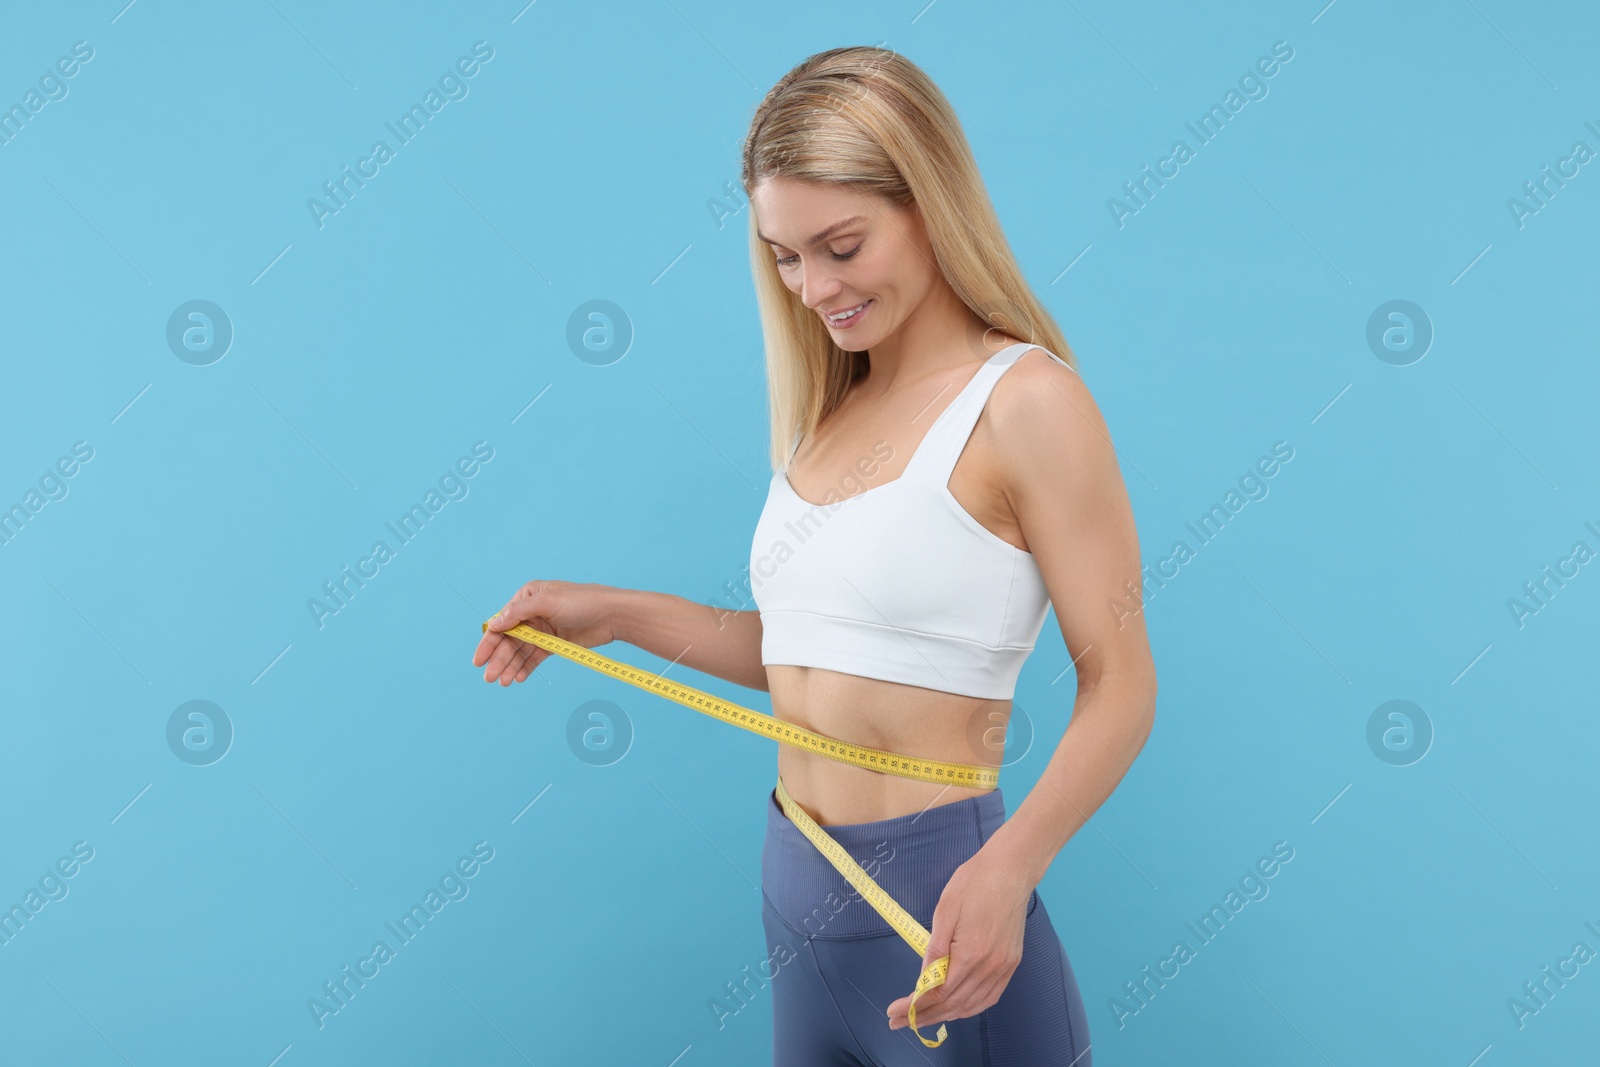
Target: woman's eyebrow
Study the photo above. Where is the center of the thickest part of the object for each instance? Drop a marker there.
(824, 235)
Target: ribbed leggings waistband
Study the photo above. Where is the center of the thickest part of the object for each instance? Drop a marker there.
(910, 856)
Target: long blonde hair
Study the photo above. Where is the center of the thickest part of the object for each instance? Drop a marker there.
(872, 120)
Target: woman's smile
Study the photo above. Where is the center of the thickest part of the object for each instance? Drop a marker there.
(847, 317)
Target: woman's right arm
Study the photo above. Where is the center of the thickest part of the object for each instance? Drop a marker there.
(723, 643)
(713, 640)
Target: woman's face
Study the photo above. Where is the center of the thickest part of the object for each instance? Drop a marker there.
(838, 250)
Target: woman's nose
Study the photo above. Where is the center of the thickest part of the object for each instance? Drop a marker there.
(817, 287)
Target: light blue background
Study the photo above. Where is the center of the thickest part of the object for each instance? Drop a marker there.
(1229, 313)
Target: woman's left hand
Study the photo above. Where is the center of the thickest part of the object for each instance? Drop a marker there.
(979, 921)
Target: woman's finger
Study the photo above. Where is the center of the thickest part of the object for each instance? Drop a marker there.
(519, 655)
(985, 984)
(493, 641)
(950, 1000)
(519, 661)
(532, 656)
(521, 608)
(501, 649)
(506, 657)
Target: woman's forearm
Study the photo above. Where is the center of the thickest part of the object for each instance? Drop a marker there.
(710, 639)
(1109, 726)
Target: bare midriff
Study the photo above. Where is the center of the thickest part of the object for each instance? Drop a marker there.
(906, 719)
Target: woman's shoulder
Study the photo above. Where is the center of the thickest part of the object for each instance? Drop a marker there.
(1037, 396)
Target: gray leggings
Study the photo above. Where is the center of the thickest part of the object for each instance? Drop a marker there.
(843, 964)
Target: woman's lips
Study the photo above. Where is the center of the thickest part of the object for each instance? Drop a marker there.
(852, 320)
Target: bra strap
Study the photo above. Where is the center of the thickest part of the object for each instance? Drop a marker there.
(935, 458)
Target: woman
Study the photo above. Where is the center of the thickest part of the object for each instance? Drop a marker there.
(942, 477)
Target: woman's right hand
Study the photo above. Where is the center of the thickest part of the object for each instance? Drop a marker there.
(580, 612)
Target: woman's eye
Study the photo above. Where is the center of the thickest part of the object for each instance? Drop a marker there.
(787, 261)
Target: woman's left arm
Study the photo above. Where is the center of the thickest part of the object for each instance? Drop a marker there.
(1061, 477)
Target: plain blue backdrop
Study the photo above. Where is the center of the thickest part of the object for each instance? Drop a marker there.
(593, 156)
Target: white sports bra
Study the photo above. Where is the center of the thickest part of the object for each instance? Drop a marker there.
(899, 582)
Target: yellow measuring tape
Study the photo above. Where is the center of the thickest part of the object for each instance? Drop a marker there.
(872, 759)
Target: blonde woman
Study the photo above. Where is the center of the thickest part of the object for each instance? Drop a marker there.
(942, 477)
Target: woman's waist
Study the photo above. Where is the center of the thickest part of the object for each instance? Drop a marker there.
(839, 794)
(891, 717)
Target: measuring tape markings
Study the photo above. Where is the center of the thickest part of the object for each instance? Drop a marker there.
(938, 772)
